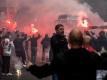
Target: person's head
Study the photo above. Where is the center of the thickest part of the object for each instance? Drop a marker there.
(33, 35)
(8, 35)
(17, 36)
(6, 41)
(101, 33)
(46, 35)
(87, 40)
(59, 28)
(75, 38)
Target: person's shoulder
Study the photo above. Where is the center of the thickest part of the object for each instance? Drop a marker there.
(85, 50)
(68, 52)
(54, 36)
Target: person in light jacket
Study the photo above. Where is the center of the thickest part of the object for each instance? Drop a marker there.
(7, 51)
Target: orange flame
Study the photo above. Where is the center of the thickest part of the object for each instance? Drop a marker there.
(34, 30)
(11, 25)
(85, 23)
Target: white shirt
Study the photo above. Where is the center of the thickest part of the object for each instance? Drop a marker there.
(7, 47)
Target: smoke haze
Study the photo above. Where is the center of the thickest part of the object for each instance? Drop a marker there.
(44, 13)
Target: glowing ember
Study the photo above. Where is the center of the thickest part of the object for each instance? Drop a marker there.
(18, 71)
(18, 67)
(85, 23)
(34, 30)
(8, 21)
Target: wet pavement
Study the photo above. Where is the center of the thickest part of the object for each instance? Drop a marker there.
(24, 76)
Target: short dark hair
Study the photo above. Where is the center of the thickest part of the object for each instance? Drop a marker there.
(75, 38)
(58, 26)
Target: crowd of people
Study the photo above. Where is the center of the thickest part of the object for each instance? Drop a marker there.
(73, 57)
(17, 44)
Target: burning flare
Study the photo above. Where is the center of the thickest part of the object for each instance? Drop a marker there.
(34, 30)
(18, 71)
(85, 23)
(8, 21)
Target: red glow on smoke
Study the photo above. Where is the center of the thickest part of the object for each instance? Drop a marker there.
(8, 21)
(34, 30)
(11, 25)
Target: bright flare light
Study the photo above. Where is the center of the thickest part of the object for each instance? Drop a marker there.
(18, 67)
(8, 22)
(85, 23)
(18, 71)
(34, 30)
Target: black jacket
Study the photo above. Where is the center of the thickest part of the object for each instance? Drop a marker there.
(75, 64)
(59, 45)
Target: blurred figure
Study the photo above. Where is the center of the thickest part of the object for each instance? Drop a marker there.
(19, 48)
(33, 40)
(45, 47)
(102, 41)
(26, 46)
(1, 47)
(94, 41)
(59, 44)
(87, 44)
(105, 77)
(8, 47)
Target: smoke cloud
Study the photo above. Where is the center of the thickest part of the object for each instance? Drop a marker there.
(44, 13)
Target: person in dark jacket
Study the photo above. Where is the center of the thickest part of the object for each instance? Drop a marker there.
(59, 43)
(33, 41)
(102, 41)
(75, 64)
(19, 48)
(45, 42)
